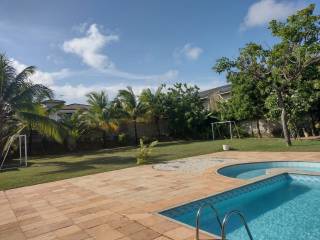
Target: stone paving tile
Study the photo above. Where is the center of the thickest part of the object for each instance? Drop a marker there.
(145, 234)
(117, 205)
(131, 228)
(180, 233)
(12, 234)
(104, 231)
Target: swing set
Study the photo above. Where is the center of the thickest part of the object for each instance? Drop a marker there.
(215, 126)
(23, 160)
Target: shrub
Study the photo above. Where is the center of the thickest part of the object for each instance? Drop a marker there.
(122, 138)
(144, 151)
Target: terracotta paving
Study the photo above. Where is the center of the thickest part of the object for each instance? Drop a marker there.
(120, 205)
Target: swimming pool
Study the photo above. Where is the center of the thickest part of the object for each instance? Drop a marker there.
(282, 207)
(251, 170)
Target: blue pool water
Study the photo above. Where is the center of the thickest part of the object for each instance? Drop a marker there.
(251, 170)
(283, 207)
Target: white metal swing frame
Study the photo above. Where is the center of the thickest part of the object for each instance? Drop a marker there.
(230, 128)
(22, 138)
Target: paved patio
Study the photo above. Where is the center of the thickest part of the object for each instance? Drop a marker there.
(118, 205)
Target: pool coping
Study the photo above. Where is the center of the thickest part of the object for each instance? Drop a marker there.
(216, 169)
(242, 183)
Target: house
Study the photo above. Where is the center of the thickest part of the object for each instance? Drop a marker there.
(212, 96)
(63, 109)
(72, 108)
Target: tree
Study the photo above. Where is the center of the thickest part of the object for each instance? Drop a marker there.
(20, 105)
(248, 95)
(289, 60)
(185, 111)
(283, 71)
(131, 107)
(153, 103)
(99, 115)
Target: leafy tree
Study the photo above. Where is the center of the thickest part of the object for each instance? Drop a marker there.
(99, 116)
(248, 96)
(290, 59)
(131, 107)
(283, 72)
(77, 127)
(153, 103)
(20, 105)
(185, 111)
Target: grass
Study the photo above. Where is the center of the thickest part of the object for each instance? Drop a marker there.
(52, 168)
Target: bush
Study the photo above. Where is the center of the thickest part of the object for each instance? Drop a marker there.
(144, 151)
(122, 138)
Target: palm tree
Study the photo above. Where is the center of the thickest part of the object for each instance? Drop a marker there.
(131, 106)
(20, 105)
(153, 105)
(100, 115)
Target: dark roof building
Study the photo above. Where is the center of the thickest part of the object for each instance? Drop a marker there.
(212, 96)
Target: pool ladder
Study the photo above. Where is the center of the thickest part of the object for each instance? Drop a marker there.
(222, 224)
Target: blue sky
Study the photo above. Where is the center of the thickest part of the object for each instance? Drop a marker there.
(83, 46)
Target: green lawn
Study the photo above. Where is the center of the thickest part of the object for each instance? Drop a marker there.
(51, 168)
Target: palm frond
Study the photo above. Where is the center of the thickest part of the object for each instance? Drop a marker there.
(44, 125)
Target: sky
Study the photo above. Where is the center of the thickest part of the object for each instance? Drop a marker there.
(81, 46)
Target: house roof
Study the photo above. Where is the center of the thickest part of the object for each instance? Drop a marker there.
(221, 90)
(51, 101)
(75, 106)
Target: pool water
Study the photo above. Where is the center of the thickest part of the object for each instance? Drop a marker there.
(282, 207)
(251, 170)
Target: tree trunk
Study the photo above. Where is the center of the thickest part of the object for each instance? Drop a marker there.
(258, 128)
(284, 119)
(135, 131)
(312, 125)
(251, 126)
(284, 122)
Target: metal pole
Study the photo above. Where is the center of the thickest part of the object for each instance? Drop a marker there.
(25, 150)
(20, 153)
(230, 126)
(212, 131)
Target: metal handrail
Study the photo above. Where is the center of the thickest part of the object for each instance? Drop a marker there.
(226, 220)
(199, 214)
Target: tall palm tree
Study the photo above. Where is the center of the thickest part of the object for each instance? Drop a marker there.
(20, 105)
(100, 115)
(131, 106)
(153, 105)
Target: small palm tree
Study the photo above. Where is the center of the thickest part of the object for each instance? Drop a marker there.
(100, 115)
(131, 107)
(153, 105)
(20, 105)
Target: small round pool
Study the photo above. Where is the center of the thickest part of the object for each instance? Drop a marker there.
(251, 170)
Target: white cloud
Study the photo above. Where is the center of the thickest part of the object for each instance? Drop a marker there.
(188, 51)
(262, 12)
(40, 77)
(90, 49)
(77, 93)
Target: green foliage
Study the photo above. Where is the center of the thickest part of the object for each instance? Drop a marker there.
(248, 93)
(122, 138)
(20, 105)
(153, 103)
(144, 151)
(130, 106)
(185, 112)
(280, 82)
